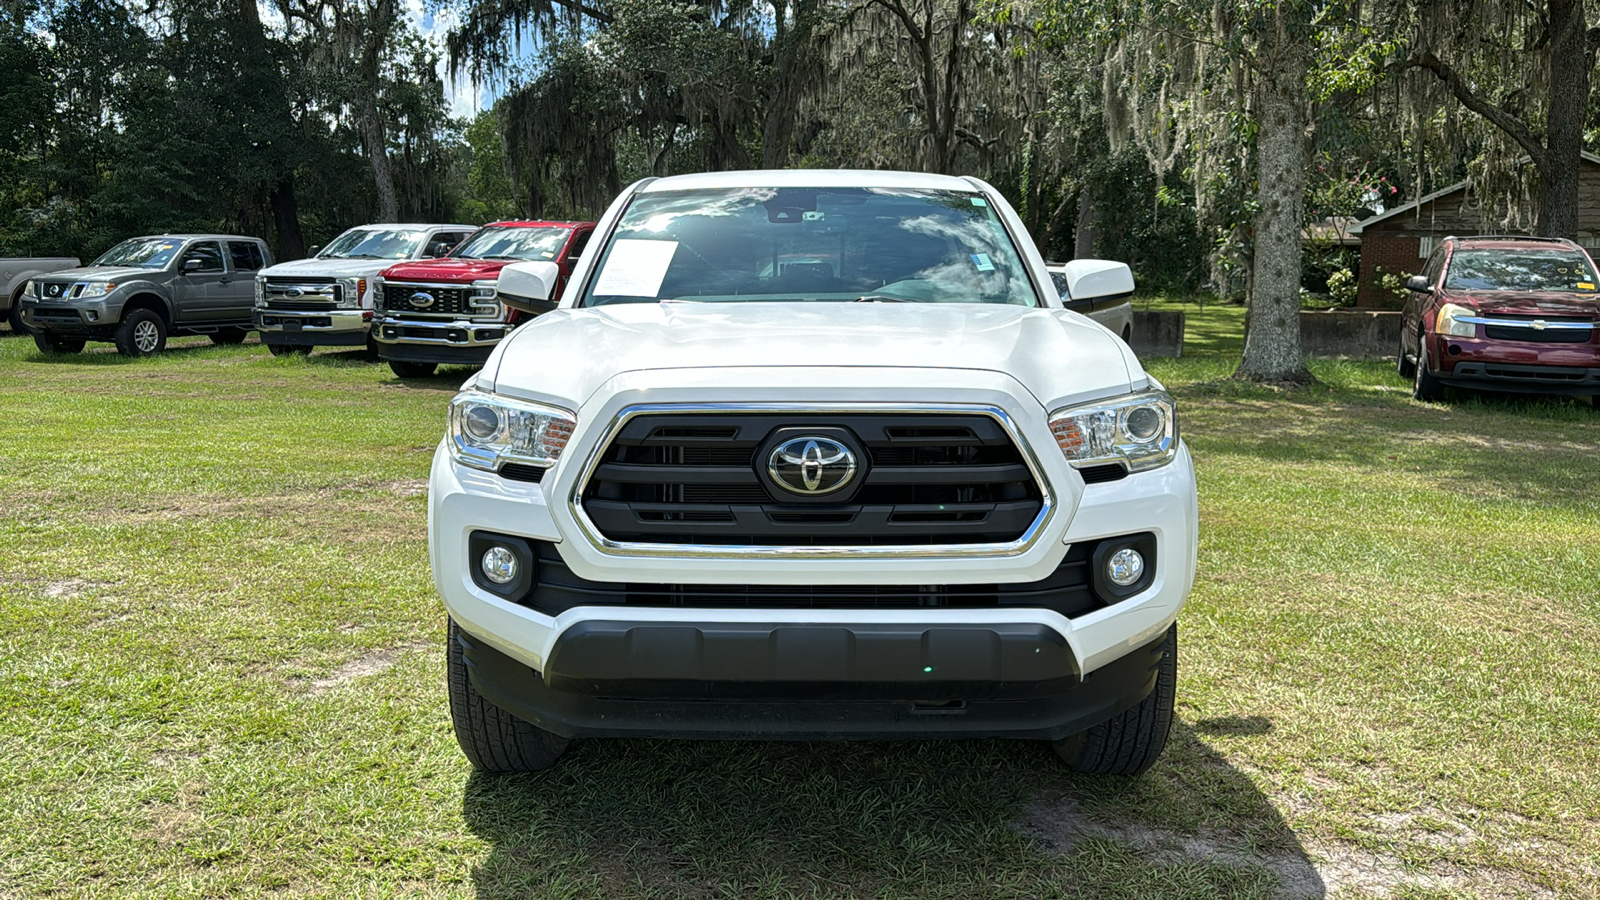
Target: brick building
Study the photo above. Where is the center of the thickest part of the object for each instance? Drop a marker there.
(1399, 241)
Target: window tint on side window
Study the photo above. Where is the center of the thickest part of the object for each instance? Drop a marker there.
(208, 253)
(246, 255)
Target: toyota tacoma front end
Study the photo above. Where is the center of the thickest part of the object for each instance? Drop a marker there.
(813, 455)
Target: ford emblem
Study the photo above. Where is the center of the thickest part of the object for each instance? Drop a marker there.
(293, 293)
(811, 465)
(422, 299)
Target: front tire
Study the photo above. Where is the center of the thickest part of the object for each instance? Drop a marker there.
(411, 369)
(493, 739)
(141, 333)
(14, 318)
(1425, 386)
(55, 343)
(1129, 743)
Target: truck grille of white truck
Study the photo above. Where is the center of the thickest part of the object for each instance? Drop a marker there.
(921, 478)
(302, 294)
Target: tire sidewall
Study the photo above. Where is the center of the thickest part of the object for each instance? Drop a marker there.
(133, 325)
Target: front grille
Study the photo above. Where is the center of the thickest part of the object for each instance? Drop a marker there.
(303, 294)
(1509, 332)
(53, 290)
(446, 300)
(695, 478)
(1067, 591)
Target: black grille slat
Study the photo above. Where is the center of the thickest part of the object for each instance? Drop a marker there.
(928, 479)
(1514, 329)
(446, 300)
(1066, 590)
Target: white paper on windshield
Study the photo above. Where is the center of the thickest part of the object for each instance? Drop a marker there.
(635, 268)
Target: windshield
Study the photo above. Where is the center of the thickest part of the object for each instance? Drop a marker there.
(142, 253)
(1520, 270)
(371, 243)
(811, 244)
(513, 242)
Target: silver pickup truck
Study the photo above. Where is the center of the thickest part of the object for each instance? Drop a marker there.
(327, 300)
(14, 274)
(146, 288)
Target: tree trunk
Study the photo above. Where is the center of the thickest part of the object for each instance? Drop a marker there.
(378, 150)
(1083, 235)
(286, 219)
(1272, 332)
(1571, 69)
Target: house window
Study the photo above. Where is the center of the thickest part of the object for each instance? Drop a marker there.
(1424, 247)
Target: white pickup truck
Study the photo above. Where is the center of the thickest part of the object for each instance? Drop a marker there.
(812, 454)
(14, 274)
(327, 300)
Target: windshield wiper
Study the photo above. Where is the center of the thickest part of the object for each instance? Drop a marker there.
(881, 298)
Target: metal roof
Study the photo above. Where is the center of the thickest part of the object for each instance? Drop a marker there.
(1460, 185)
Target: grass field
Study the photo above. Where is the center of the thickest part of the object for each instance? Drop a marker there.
(222, 669)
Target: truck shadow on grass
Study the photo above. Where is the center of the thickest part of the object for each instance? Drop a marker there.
(907, 819)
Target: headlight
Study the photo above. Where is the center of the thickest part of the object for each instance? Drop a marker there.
(261, 291)
(1138, 430)
(1449, 321)
(96, 289)
(482, 298)
(377, 292)
(353, 289)
(486, 430)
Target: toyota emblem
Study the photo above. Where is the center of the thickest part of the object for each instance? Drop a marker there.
(422, 299)
(811, 465)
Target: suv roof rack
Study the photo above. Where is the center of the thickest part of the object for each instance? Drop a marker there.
(1510, 237)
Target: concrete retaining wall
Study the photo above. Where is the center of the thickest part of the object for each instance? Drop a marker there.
(1350, 333)
(1157, 334)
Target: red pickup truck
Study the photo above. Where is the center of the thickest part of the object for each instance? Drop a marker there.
(445, 311)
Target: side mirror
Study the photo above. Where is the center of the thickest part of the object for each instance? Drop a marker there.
(1097, 279)
(1419, 283)
(191, 265)
(314, 250)
(437, 249)
(530, 287)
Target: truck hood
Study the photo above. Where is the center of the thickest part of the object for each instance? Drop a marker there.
(1530, 304)
(328, 268)
(447, 270)
(102, 273)
(570, 353)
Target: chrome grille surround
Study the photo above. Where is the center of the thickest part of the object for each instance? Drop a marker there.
(1024, 542)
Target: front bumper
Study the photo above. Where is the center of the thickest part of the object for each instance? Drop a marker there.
(801, 682)
(320, 328)
(461, 341)
(1518, 366)
(82, 317)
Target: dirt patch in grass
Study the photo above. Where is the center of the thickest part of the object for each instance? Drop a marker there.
(360, 667)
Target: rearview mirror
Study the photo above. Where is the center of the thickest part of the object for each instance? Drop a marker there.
(529, 287)
(1098, 279)
(1419, 283)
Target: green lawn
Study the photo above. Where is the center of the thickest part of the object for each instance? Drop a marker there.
(221, 669)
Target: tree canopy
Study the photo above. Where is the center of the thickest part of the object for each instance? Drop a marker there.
(1193, 139)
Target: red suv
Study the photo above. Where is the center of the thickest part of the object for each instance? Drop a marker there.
(447, 310)
(1504, 314)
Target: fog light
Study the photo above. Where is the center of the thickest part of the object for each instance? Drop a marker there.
(500, 565)
(1125, 567)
